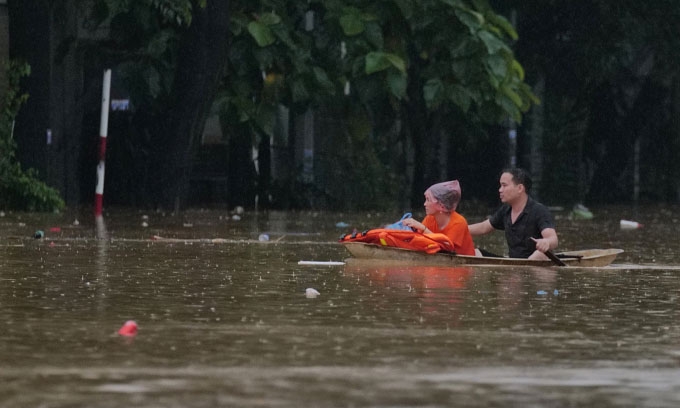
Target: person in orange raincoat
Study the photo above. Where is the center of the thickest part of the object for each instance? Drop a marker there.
(441, 200)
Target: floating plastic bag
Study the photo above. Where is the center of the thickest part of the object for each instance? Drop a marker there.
(399, 225)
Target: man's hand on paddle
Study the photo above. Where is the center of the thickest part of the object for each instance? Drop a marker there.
(542, 244)
(548, 242)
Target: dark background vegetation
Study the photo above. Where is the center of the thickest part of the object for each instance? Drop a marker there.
(246, 103)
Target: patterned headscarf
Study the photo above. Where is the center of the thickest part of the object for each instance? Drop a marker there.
(447, 195)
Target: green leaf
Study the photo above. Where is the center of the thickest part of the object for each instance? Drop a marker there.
(397, 82)
(493, 44)
(374, 35)
(517, 68)
(376, 62)
(396, 61)
(454, 3)
(433, 91)
(379, 61)
(503, 23)
(509, 107)
(526, 91)
(514, 97)
(352, 25)
(261, 33)
(160, 43)
(367, 17)
(282, 34)
(470, 18)
(493, 81)
(497, 65)
(270, 18)
(476, 15)
(460, 96)
(322, 78)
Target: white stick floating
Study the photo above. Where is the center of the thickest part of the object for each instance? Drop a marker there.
(330, 263)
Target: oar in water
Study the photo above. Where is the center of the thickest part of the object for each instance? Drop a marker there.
(557, 261)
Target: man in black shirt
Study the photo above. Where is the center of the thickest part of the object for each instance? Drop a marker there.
(529, 227)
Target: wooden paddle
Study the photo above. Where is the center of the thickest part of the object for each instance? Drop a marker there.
(557, 261)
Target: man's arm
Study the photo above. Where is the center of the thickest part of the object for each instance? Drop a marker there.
(480, 228)
(549, 240)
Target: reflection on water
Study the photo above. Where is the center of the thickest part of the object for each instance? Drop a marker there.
(227, 323)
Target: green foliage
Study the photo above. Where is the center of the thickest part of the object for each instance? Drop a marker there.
(393, 56)
(19, 189)
(170, 11)
(460, 49)
(144, 35)
(455, 54)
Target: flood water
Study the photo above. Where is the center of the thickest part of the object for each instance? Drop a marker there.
(227, 323)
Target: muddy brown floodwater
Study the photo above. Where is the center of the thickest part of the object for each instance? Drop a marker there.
(227, 323)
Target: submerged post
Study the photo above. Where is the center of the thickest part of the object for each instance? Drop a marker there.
(103, 130)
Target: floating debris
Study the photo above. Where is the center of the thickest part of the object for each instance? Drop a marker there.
(342, 224)
(76, 222)
(311, 293)
(263, 237)
(39, 234)
(236, 217)
(329, 263)
(629, 225)
(128, 329)
(582, 212)
(541, 292)
(145, 224)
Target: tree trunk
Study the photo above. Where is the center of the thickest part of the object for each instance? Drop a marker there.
(419, 129)
(66, 112)
(536, 133)
(265, 174)
(675, 145)
(201, 62)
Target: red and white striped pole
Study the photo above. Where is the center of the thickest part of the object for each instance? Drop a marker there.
(103, 130)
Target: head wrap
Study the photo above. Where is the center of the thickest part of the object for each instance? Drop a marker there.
(447, 195)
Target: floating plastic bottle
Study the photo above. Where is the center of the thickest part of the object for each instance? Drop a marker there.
(629, 225)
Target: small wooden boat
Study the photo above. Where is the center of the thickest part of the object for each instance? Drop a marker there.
(390, 255)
